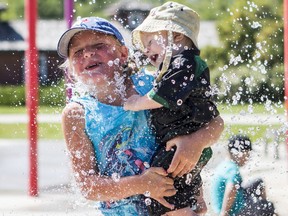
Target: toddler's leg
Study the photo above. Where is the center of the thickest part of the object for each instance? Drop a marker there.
(182, 212)
(201, 207)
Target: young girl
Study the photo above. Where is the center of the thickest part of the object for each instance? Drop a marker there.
(110, 148)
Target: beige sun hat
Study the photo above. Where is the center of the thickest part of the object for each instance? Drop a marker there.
(170, 16)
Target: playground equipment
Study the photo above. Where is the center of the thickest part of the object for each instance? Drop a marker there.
(31, 80)
(285, 12)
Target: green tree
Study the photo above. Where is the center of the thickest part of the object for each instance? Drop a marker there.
(251, 56)
(52, 9)
(253, 32)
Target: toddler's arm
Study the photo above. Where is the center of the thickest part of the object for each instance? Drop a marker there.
(137, 102)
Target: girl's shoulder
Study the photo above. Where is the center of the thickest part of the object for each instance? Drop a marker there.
(72, 110)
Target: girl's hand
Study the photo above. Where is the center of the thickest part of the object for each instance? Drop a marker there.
(186, 156)
(158, 185)
(190, 147)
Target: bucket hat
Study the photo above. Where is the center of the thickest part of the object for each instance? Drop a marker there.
(170, 16)
(88, 23)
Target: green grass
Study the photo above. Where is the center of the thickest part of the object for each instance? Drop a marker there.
(255, 132)
(53, 130)
(254, 108)
(20, 131)
(23, 110)
(223, 108)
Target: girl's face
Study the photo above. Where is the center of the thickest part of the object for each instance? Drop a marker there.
(95, 57)
(155, 44)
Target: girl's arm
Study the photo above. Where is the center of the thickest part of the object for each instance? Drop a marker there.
(137, 103)
(103, 188)
(190, 147)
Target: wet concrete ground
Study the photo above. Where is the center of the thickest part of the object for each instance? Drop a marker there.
(57, 196)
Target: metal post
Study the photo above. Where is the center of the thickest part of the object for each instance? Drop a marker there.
(31, 80)
(68, 14)
(286, 60)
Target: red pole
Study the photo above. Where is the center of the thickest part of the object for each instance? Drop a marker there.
(31, 79)
(286, 60)
(286, 51)
(68, 14)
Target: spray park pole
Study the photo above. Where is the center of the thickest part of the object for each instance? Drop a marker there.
(68, 12)
(31, 80)
(285, 12)
(68, 15)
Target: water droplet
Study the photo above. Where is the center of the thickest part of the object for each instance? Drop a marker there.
(191, 77)
(110, 63)
(78, 154)
(146, 165)
(179, 102)
(115, 177)
(117, 61)
(147, 194)
(148, 201)
(188, 179)
(141, 83)
(203, 81)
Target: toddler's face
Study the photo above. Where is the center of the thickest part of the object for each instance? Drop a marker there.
(154, 46)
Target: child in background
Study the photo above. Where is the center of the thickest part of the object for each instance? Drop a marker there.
(229, 196)
(180, 101)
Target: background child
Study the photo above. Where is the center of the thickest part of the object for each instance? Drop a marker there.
(180, 100)
(229, 196)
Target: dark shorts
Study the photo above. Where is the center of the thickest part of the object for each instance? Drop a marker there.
(254, 204)
(188, 186)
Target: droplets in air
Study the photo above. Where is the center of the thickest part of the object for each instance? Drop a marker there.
(179, 102)
(141, 83)
(115, 177)
(147, 194)
(110, 63)
(148, 201)
(235, 60)
(120, 87)
(204, 81)
(78, 154)
(255, 25)
(188, 179)
(116, 61)
(146, 165)
(92, 2)
(191, 77)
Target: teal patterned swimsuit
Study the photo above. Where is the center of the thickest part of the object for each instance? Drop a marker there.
(123, 142)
